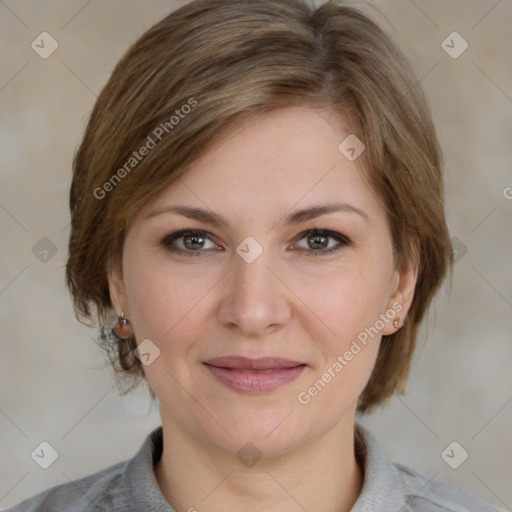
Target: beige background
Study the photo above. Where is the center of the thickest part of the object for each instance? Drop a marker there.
(51, 382)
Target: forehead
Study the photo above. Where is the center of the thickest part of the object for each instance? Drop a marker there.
(287, 158)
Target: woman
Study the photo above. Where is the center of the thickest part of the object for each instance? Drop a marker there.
(258, 200)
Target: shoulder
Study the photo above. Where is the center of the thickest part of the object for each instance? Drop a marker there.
(127, 485)
(389, 485)
(424, 494)
(97, 492)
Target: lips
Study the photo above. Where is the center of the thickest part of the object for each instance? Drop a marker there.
(254, 376)
(261, 364)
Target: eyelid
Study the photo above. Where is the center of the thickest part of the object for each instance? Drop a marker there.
(176, 235)
(323, 232)
(343, 240)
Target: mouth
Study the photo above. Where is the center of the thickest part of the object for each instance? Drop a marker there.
(254, 376)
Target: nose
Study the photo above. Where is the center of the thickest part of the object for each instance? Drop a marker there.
(255, 301)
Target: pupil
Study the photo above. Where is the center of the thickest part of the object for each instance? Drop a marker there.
(193, 239)
(318, 240)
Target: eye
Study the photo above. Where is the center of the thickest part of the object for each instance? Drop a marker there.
(193, 242)
(322, 241)
(188, 241)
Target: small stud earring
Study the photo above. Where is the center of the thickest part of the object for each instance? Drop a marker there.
(396, 323)
(122, 330)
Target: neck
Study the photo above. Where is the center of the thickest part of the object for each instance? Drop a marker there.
(322, 474)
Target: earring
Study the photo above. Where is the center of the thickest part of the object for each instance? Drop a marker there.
(396, 323)
(122, 330)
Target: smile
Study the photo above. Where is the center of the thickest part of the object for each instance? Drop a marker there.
(252, 380)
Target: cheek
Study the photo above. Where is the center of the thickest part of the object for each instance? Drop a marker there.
(348, 308)
(347, 304)
(164, 299)
(347, 299)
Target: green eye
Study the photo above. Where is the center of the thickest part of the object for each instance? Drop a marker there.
(188, 241)
(321, 241)
(193, 242)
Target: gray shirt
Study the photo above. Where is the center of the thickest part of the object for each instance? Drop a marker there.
(132, 486)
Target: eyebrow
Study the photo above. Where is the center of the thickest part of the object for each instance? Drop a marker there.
(296, 217)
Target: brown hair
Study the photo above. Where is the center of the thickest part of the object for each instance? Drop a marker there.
(213, 63)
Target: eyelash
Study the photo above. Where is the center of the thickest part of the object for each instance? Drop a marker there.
(169, 239)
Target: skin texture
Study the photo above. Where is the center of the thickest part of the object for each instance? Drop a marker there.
(291, 302)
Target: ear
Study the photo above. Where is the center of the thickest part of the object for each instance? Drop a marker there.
(117, 290)
(402, 293)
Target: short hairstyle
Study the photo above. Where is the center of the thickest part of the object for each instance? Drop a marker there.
(211, 64)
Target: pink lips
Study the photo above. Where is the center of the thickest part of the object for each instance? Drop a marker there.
(254, 375)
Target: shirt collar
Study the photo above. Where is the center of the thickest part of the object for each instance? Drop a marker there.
(140, 484)
(383, 488)
(382, 485)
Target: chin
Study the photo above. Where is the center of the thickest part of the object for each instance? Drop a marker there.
(259, 443)
(272, 432)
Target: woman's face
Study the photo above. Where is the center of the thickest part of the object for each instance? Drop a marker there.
(253, 280)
